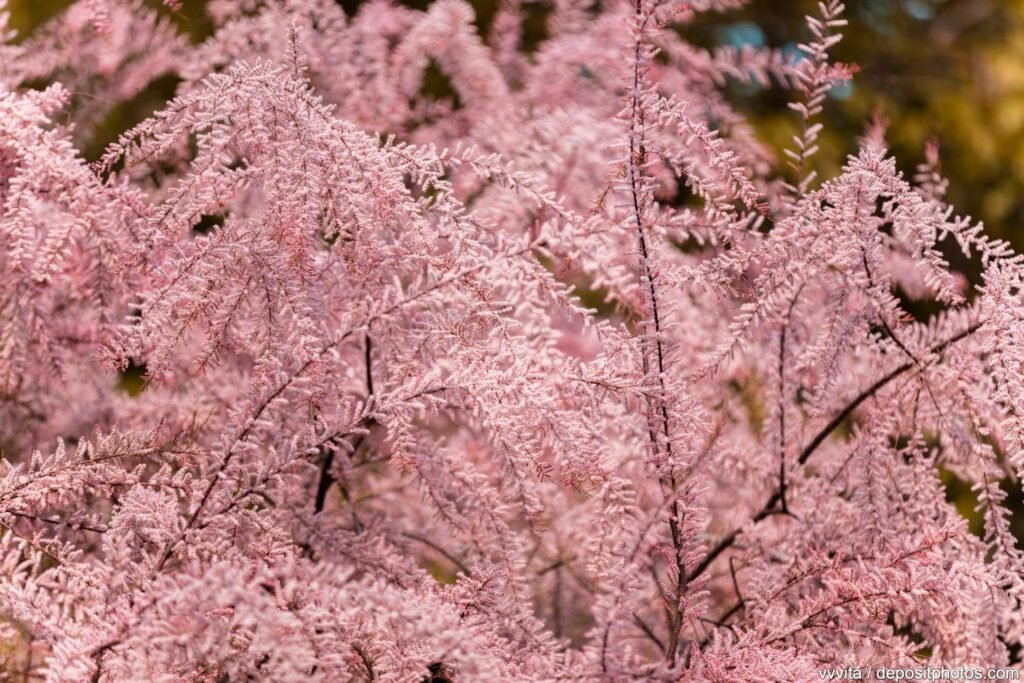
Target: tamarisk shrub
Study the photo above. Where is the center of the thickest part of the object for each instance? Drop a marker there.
(553, 372)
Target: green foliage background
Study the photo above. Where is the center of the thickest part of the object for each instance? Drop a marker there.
(952, 70)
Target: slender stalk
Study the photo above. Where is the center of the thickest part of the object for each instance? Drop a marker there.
(769, 508)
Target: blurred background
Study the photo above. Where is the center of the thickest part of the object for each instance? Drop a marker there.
(949, 70)
(952, 70)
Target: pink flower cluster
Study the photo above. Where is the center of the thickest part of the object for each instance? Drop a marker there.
(551, 372)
